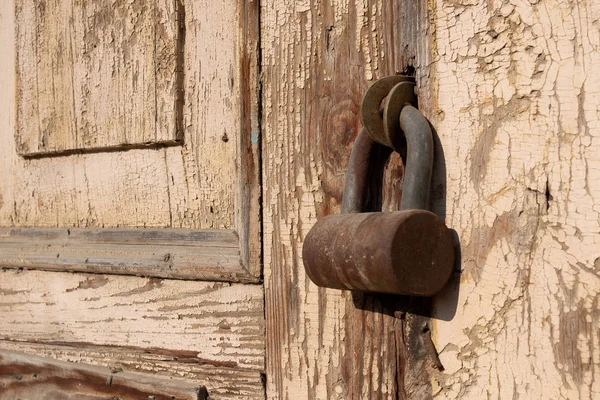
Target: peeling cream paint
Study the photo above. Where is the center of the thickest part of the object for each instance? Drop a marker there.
(207, 332)
(519, 93)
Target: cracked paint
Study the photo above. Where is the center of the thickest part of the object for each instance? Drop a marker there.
(518, 99)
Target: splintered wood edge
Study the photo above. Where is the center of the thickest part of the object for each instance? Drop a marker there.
(23, 372)
(211, 255)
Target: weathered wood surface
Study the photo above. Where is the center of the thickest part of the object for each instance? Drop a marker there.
(210, 182)
(418, 353)
(223, 381)
(318, 59)
(29, 377)
(193, 186)
(220, 322)
(95, 75)
(168, 253)
(516, 93)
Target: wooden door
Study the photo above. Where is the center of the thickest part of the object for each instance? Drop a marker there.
(129, 202)
(508, 86)
(317, 60)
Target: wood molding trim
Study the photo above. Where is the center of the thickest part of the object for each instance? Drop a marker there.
(212, 255)
(223, 380)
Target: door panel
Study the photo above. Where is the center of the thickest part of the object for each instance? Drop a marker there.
(211, 333)
(87, 149)
(523, 195)
(96, 75)
(215, 320)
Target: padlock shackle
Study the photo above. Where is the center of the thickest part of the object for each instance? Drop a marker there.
(419, 159)
(361, 192)
(368, 158)
(356, 173)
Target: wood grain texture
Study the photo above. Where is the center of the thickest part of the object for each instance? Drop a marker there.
(220, 322)
(97, 75)
(222, 381)
(89, 203)
(25, 376)
(168, 253)
(195, 186)
(210, 182)
(515, 90)
(318, 59)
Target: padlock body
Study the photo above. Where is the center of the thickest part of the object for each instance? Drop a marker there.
(404, 252)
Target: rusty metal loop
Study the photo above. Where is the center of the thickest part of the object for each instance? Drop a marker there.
(407, 252)
(367, 160)
(364, 175)
(402, 94)
(419, 159)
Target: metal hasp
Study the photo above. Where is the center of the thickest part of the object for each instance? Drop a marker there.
(407, 252)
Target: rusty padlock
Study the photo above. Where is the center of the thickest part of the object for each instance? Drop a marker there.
(407, 252)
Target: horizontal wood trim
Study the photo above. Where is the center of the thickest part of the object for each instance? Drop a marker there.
(166, 253)
(222, 382)
(30, 377)
(219, 323)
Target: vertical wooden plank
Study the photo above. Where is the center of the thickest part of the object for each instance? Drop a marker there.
(211, 114)
(249, 194)
(318, 59)
(414, 39)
